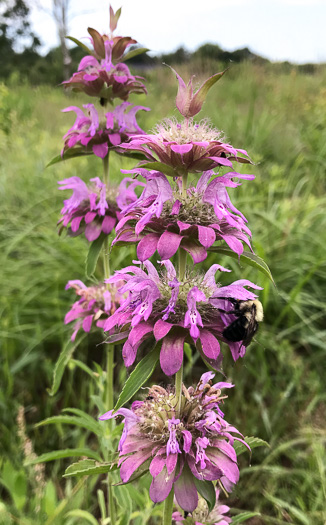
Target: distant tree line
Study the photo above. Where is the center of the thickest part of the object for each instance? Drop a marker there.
(20, 56)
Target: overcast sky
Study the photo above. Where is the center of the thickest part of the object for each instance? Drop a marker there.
(291, 30)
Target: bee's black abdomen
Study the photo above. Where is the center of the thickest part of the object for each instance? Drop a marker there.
(237, 330)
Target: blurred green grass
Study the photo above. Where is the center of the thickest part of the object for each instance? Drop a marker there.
(280, 118)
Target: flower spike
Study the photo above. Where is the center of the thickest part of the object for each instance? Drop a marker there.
(190, 104)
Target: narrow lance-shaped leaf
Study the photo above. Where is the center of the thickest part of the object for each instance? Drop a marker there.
(94, 253)
(199, 97)
(245, 258)
(87, 467)
(138, 377)
(159, 166)
(243, 517)
(69, 154)
(63, 360)
(253, 442)
(65, 453)
(80, 44)
(134, 53)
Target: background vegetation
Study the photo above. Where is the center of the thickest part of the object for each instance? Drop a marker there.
(279, 115)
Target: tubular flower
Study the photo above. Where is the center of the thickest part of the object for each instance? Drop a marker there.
(165, 220)
(95, 208)
(100, 74)
(187, 146)
(202, 516)
(95, 303)
(90, 133)
(179, 447)
(170, 311)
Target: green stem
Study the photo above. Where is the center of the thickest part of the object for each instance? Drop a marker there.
(182, 256)
(178, 389)
(168, 509)
(106, 169)
(106, 259)
(184, 183)
(109, 401)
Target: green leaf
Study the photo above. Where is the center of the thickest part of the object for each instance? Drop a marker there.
(93, 254)
(131, 154)
(80, 44)
(138, 377)
(66, 453)
(253, 442)
(199, 98)
(240, 518)
(246, 258)
(63, 360)
(86, 516)
(207, 490)
(69, 154)
(71, 420)
(159, 166)
(87, 467)
(134, 53)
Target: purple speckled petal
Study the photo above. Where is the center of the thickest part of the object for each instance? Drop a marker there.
(147, 246)
(138, 332)
(228, 467)
(108, 224)
(221, 160)
(181, 148)
(197, 252)
(168, 244)
(210, 344)
(206, 236)
(75, 223)
(131, 464)
(187, 440)
(101, 150)
(90, 216)
(233, 243)
(161, 486)
(92, 231)
(129, 353)
(157, 465)
(87, 323)
(171, 462)
(185, 491)
(161, 329)
(171, 355)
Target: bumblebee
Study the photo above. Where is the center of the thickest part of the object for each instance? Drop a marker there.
(249, 314)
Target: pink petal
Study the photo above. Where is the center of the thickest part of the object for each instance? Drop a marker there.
(101, 150)
(161, 486)
(90, 216)
(185, 491)
(168, 244)
(210, 344)
(157, 465)
(181, 148)
(172, 353)
(108, 224)
(161, 329)
(75, 223)
(147, 246)
(92, 231)
(197, 252)
(87, 323)
(132, 463)
(206, 236)
(171, 462)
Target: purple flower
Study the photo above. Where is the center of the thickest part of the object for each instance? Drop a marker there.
(91, 132)
(179, 447)
(187, 146)
(163, 219)
(95, 303)
(161, 307)
(94, 208)
(201, 514)
(101, 74)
